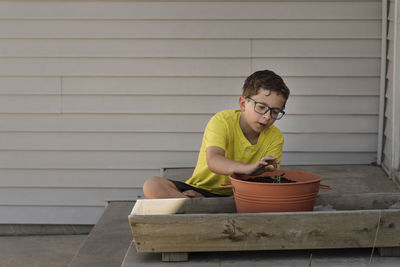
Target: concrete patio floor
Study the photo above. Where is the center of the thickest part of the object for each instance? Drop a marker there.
(58, 251)
(292, 258)
(39, 251)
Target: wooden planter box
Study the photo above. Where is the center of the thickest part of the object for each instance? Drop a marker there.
(178, 226)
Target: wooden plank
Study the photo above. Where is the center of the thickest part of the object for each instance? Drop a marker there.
(334, 229)
(265, 231)
(221, 29)
(190, 9)
(365, 201)
(389, 252)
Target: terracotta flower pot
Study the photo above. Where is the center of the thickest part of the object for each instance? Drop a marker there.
(276, 197)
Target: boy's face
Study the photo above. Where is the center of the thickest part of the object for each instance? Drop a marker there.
(253, 121)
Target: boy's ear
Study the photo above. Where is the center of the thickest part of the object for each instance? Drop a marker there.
(242, 103)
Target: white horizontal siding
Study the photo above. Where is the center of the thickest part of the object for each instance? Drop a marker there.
(71, 196)
(166, 123)
(76, 178)
(352, 29)
(316, 48)
(171, 142)
(328, 158)
(186, 66)
(30, 104)
(128, 48)
(184, 104)
(96, 96)
(79, 159)
(129, 66)
(150, 160)
(213, 85)
(30, 86)
(189, 11)
(188, 48)
(206, 104)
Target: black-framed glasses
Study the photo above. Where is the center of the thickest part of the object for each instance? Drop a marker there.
(261, 108)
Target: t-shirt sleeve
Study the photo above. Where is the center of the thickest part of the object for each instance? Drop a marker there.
(216, 133)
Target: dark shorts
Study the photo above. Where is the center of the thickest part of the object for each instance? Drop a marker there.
(184, 187)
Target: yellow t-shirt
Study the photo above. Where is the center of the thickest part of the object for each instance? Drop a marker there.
(223, 131)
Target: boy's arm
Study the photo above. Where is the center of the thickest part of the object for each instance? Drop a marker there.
(218, 163)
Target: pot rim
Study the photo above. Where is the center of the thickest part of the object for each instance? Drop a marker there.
(314, 180)
(276, 184)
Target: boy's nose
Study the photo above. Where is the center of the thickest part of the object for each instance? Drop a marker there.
(267, 115)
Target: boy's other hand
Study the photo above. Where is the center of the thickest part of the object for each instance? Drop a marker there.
(268, 163)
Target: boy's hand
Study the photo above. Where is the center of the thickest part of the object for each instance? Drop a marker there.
(218, 163)
(261, 166)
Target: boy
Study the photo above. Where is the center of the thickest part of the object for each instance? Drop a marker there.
(241, 141)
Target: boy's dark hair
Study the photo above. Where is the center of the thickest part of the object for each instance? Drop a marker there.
(266, 79)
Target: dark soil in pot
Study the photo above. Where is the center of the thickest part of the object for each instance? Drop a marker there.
(272, 180)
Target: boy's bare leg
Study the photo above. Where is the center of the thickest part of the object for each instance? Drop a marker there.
(158, 187)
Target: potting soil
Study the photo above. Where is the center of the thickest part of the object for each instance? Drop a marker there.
(269, 179)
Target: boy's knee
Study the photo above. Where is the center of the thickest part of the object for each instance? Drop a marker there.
(158, 187)
(152, 181)
(155, 183)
